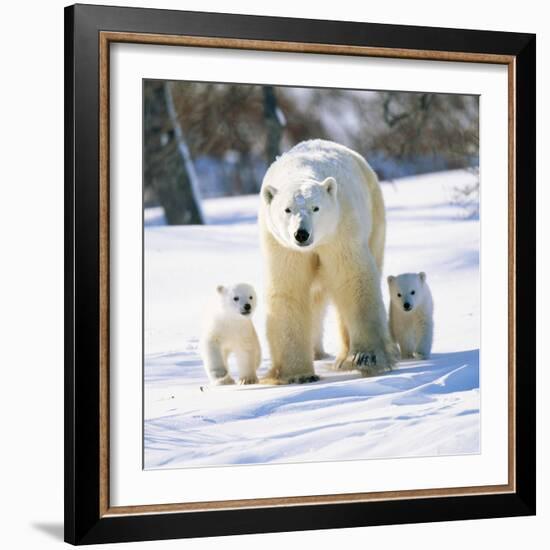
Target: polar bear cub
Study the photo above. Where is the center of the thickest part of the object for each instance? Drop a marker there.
(411, 314)
(228, 330)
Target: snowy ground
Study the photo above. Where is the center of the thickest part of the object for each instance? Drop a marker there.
(421, 408)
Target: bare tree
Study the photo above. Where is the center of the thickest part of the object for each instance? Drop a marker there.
(275, 122)
(168, 167)
(424, 123)
(234, 131)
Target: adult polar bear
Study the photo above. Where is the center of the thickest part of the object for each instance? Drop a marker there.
(322, 225)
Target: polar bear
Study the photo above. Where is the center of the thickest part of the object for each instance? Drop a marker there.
(227, 330)
(411, 314)
(322, 226)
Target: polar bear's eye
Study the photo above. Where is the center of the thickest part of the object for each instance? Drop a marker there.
(287, 210)
(398, 295)
(236, 298)
(316, 209)
(412, 291)
(251, 297)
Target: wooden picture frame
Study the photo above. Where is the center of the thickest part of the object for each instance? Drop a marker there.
(89, 32)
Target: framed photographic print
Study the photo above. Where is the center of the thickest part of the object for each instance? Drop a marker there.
(300, 274)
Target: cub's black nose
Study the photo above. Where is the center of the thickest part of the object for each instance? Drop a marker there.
(247, 307)
(301, 235)
(407, 306)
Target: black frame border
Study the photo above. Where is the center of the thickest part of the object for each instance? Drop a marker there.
(83, 523)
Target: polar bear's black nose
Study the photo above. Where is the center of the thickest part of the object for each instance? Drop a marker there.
(407, 306)
(247, 307)
(301, 235)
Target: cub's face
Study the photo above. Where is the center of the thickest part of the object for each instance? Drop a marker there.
(302, 216)
(406, 290)
(238, 299)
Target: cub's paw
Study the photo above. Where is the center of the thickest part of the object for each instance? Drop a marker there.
(303, 379)
(245, 380)
(225, 381)
(420, 356)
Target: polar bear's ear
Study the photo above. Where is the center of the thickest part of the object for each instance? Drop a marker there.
(422, 276)
(269, 193)
(391, 279)
(220, 289)
(330, 185)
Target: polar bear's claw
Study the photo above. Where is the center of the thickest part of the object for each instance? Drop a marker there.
(365, 362)
(245, 380)
(361, 360)
(368, 363)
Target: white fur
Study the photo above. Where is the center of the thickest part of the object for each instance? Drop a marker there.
(412, 329)
(227, 330)
(333, 195)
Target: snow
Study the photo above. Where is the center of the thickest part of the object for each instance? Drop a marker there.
(422, 408)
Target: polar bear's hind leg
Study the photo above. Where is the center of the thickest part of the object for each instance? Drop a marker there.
(340, 363)
(318, 312)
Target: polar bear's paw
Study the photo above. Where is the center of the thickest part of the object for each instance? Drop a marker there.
(303, 379)
(225, 381)
(368, 363)
(365, 360)
(342, 363)
(245, 380)
(276, 376)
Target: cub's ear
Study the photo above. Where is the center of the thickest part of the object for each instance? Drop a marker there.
(330, 185)
(391, 279)
(422, 276)
(268, 193)
(220, 289)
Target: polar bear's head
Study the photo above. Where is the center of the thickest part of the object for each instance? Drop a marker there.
(407, 289)
(237, 299)
(302, 216)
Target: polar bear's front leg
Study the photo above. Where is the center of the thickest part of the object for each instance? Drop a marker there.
(406, 346)
(424, 345)
(248, 362)
(289, 335)
(215, 364)
(358, 298)
(288, 319)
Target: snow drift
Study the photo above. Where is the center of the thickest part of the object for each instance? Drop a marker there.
(421, 408)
